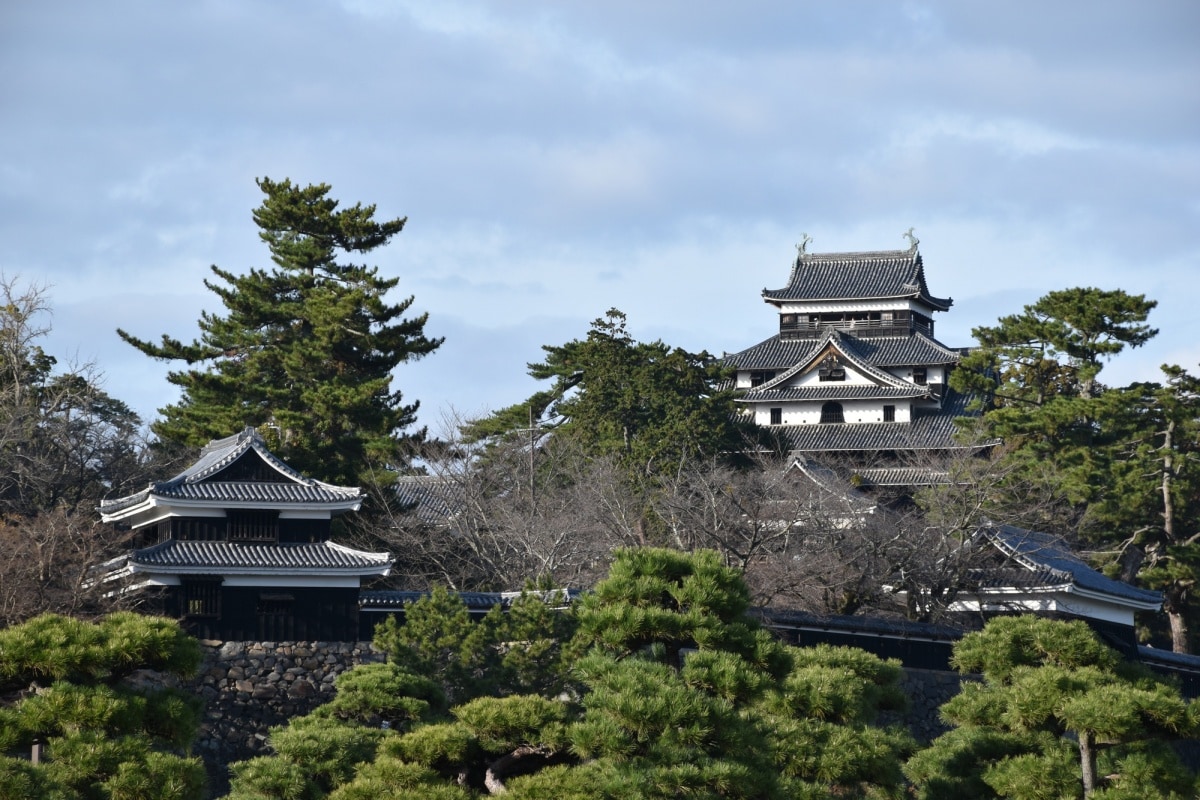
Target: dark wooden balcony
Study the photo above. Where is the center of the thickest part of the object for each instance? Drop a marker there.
(811, 326)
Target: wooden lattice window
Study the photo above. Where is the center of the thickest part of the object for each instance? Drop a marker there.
(253, 526)
(776, 416)
(201, 597)
(889, 413)
(919, 376)
(275, 604)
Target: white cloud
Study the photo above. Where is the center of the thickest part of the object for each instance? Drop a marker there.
(557, 159)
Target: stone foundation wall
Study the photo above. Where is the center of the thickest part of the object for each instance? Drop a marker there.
(250, 687)
(927, 690)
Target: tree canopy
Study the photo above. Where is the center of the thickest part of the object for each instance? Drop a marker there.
(64, 444)
(665, 689)
(650, 405)
(1124, 462)
(63, 684)
(1057, 714)
(306, 349)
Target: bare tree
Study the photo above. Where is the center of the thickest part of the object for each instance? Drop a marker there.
(45, 565)
(496, 515)
(64, 444)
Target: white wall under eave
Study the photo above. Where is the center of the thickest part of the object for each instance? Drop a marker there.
(158, 513)
(1059, 601)
(274, 581)
(853, 411)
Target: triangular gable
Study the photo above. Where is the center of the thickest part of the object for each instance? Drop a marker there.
(252, 466)
(220, 458)
(834, 343)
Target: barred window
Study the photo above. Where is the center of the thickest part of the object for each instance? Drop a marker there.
(253, 526)
(831, 413)
(202, 597)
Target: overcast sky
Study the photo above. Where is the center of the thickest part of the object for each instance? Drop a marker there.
(556, 159)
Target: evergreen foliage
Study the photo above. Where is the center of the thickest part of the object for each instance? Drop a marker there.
(667, 690)
(306, 349)
(64, 683)
(1057, 714)
(1124, 462)
(650, 405)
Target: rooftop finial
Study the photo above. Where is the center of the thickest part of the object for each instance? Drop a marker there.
(802, 247)
(913, 241)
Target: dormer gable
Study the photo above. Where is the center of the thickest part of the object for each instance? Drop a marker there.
(834, 361)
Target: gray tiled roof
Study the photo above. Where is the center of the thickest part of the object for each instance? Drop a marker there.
(884, 351)
(226, 557)
(901, 476)
(836, 392)
(434, 500)
(1049, 554)
(196, 482)
(931, 429)
(858, 276)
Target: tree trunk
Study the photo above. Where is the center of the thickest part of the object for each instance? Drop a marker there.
(1175, 605)
(519, 761)
(1087, 759)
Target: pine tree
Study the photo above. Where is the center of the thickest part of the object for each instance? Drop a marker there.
(1149, 515)
(1057, 714)
(668, 690)
(106, 738)
(306, 349)
(647, 404)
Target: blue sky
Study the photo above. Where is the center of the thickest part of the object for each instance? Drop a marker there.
(557, 159)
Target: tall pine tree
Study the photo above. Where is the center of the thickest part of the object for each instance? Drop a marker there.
(305, 350)
(646, 404)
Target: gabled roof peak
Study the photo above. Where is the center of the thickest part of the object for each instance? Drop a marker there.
(195, 484)
(220, 453)
(246, 435)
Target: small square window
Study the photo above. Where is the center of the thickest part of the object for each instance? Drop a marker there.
(776, 416)
(889, 413)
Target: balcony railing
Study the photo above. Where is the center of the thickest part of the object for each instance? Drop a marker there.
(806, 329)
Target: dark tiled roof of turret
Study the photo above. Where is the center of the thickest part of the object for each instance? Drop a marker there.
(885, 351)
(858, 276)
(901, 476)
(196, 482)
(228, 557)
